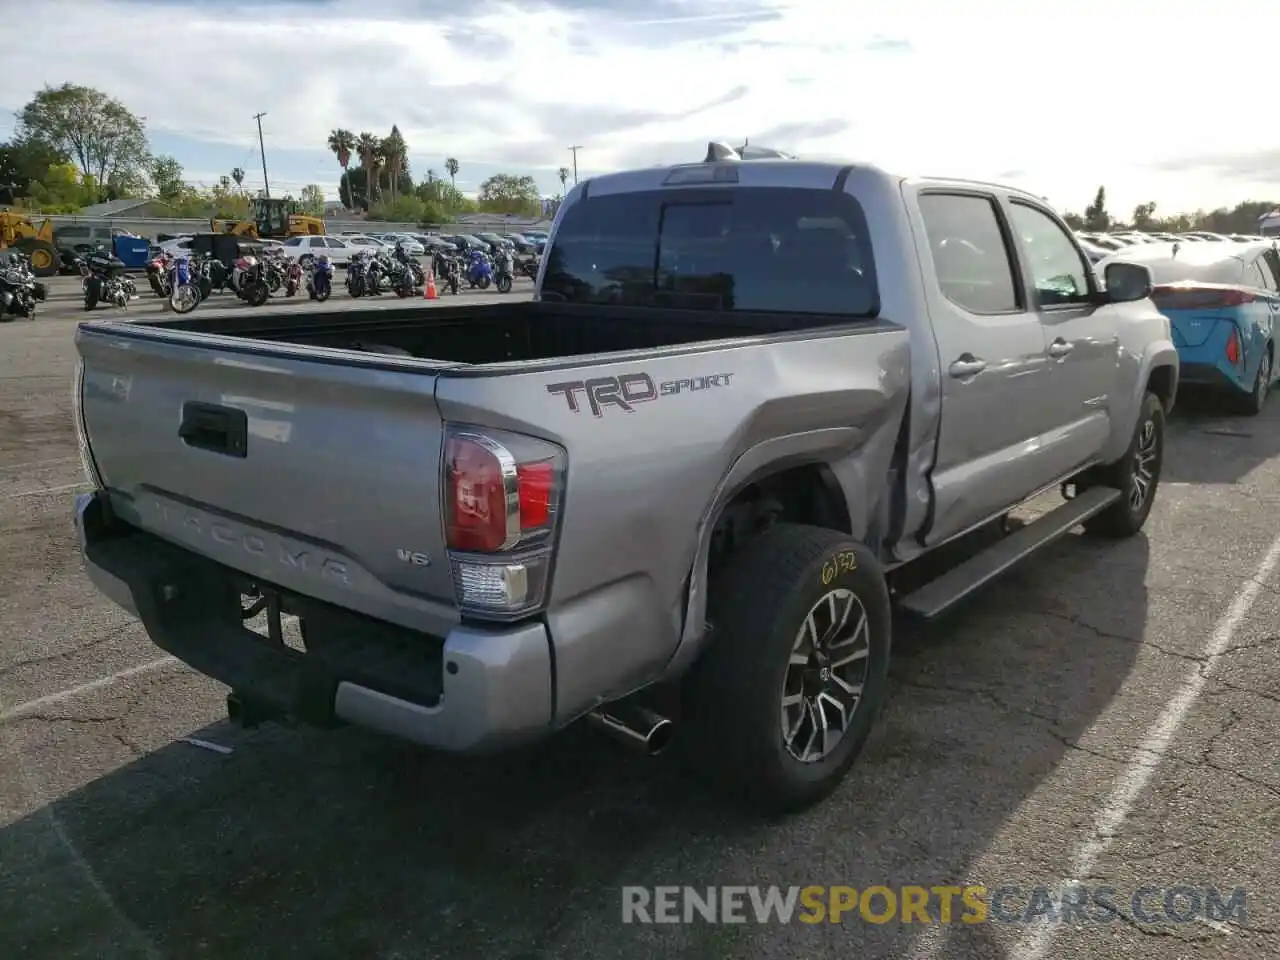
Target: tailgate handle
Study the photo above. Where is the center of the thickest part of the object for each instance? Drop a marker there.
(207, 426)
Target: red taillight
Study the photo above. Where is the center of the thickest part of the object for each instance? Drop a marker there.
(1193, 297)
(492, 503)
(1233, 348)
(536, 481)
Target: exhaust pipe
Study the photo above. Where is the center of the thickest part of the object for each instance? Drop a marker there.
(635, 726)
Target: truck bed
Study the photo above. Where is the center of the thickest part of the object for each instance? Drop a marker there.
(486, 334)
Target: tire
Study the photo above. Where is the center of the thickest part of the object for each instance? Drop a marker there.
(257, 293)
(1252, 404)
(1145, 454)
(733, 711)
(184, 302)
(484, 283)
(322, 295)
(44, 257)
(92, 293)
(504, 284)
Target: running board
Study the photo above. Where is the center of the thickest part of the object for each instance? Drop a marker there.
(940, 595)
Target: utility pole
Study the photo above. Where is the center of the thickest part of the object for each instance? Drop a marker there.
(574, 150)
(266, 186)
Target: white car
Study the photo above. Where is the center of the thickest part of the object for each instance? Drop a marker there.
(338, 249)
(411, 246)
(177, 247)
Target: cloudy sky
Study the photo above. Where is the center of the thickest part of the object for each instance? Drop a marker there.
(1054, 96)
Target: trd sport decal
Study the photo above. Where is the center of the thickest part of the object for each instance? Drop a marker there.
(629, 389)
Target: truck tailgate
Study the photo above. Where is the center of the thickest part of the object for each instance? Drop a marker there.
(316, 474)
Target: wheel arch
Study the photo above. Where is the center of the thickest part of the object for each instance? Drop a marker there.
(796, 471)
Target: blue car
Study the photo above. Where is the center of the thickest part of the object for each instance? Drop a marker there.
(1223, 304)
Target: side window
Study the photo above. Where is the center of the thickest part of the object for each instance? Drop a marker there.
(1270, 260)
(293, 242)
(316, 243)
(1259, 276)
(336, 244)
(969, 252)
(1057, 268)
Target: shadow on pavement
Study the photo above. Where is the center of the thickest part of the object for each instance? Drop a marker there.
(1229, 445)
(302, 844)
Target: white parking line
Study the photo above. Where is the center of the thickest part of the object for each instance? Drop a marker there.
(31, 706)
(1035, 943)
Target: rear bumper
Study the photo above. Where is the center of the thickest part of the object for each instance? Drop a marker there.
(1215, 375)
(473, 691)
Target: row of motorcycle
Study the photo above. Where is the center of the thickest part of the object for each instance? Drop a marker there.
(20, 291)
(184, 282)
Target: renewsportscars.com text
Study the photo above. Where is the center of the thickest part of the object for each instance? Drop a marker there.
(969, 904)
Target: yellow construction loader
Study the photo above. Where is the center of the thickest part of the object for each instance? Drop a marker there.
(18, 232)
(274, 219)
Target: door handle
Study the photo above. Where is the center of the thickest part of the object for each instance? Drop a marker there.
(967, 366)
(1060, 348)
(218, 429)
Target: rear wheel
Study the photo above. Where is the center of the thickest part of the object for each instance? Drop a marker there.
(1252, 404)
(781, 702)
(504, 284)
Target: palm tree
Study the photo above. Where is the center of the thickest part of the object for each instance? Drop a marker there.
(394, 153)
(238, 176)
(343, 144)
(451, 167)
(431, 176)
(563, 174)
(367, 150)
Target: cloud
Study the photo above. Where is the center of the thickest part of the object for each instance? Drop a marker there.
(917, 86)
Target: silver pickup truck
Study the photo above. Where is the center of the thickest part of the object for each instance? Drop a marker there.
(679, 492)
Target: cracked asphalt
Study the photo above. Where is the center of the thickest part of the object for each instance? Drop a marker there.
(1010, 725)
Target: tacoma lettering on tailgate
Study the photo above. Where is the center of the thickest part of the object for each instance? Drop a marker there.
(628, 389)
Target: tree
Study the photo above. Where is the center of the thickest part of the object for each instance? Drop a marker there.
(563, 174)
(97, 131)
(237, 174)
(367, 146)
(343, 144)
(1095, 215)
(166, 175)
(312, 200)
(451, 167)
(63, 188)
(1144, 216)
(395, 155)
(25, 160)
(507, 193)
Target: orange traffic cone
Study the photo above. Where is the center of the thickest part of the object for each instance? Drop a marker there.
(430, 292)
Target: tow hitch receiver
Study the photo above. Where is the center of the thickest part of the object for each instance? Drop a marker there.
(250, 712)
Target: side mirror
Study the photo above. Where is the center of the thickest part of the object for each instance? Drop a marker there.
(1127, 282)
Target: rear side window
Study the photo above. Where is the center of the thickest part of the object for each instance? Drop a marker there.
(751, 249)
(969, 252)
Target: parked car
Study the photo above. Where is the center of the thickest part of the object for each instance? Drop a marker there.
(1222, 300)
(524, 245)
(495, 240)
(466, 242)
(436, 244)
(641, 498)
(338, 249)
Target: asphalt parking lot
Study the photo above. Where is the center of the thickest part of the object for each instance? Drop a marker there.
(1105, 714)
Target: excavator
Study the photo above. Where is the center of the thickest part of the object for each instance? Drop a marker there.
(273, 218)
(19, 232)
